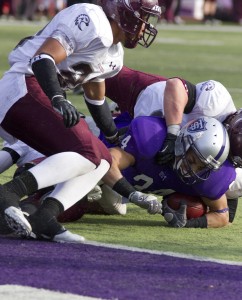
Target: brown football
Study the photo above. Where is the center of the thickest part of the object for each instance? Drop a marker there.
(195, 206)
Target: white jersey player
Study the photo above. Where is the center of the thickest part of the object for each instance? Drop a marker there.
(212, 99)
(82, 44)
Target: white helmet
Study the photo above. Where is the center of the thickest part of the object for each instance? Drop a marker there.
(202, 146)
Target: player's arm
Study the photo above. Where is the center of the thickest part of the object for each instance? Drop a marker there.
(218, 215)
(94, 94)
(175, 100)
(179, 97)
(120, 161)
(114, 178)
(43, 64)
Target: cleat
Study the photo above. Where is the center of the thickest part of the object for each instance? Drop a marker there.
(64, 237)
(68, 237)
(17, 221)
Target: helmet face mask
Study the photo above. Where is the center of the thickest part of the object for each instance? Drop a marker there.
(201, 147)
(130, 15)
(190, 166)
(233, 124)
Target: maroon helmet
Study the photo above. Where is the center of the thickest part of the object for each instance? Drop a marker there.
(130, 16)
(233, 124)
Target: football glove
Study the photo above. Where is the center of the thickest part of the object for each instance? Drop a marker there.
(167, 153)
(148, 202)
(95, 194)
(175, 218)
(64, 107)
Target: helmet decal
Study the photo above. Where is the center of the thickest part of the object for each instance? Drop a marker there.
(197, 126)
(201, 147)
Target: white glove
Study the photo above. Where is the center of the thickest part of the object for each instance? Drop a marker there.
(95, 194)
(149, 202)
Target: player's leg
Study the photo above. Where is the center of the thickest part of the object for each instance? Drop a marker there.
(39, 126)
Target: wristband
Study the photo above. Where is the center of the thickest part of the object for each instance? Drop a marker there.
(44, 70)
(173, 129)
(102, 116)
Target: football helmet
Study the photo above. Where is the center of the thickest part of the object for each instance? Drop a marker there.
(130, 15)
(201, 147)
(233, 124)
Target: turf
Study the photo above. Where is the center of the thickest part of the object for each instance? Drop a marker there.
(197, 54)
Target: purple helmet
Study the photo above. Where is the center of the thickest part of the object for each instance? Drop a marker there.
(233, 124)
(130, 15)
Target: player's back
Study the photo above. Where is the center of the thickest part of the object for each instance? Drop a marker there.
(125, 87)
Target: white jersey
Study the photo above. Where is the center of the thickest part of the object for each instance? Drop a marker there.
(235, 188)
(212, 100)
(86, 35)
(25, 152)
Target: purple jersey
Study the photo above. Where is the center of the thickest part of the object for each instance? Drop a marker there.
(144, 138)
(125, 87)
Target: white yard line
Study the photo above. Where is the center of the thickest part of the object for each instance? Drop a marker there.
(13, 292)
(168, 253)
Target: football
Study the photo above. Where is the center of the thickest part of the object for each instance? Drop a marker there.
(195, 206)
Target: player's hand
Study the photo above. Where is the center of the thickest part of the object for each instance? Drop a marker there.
(95, 194)
(64, 107)
(148, 202)
(175, 218)
(167, 153)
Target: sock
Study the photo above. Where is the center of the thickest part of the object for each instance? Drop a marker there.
(123, 187)
(24, 184)
(44, 221)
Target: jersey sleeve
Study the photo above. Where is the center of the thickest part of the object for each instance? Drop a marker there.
(145, 137)
(214, 100)
(80, 25)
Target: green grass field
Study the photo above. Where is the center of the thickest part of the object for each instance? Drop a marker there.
(197, 54)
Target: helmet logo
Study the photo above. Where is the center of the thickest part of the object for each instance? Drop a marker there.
(82, 20)
(197, 126)
(157, 8)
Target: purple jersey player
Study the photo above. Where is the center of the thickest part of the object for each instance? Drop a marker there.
(137, 159)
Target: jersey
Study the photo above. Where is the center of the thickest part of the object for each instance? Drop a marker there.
(26, 153)
(86, 35)
(143, 139)
(212, 100)
(126, 86)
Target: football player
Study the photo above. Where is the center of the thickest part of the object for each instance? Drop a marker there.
(113, 201)
(200, 167)
(82, 44)
(178, 100)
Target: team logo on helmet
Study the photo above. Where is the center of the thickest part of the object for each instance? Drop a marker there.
(82, 20)
(197, 126)
(157, 8)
